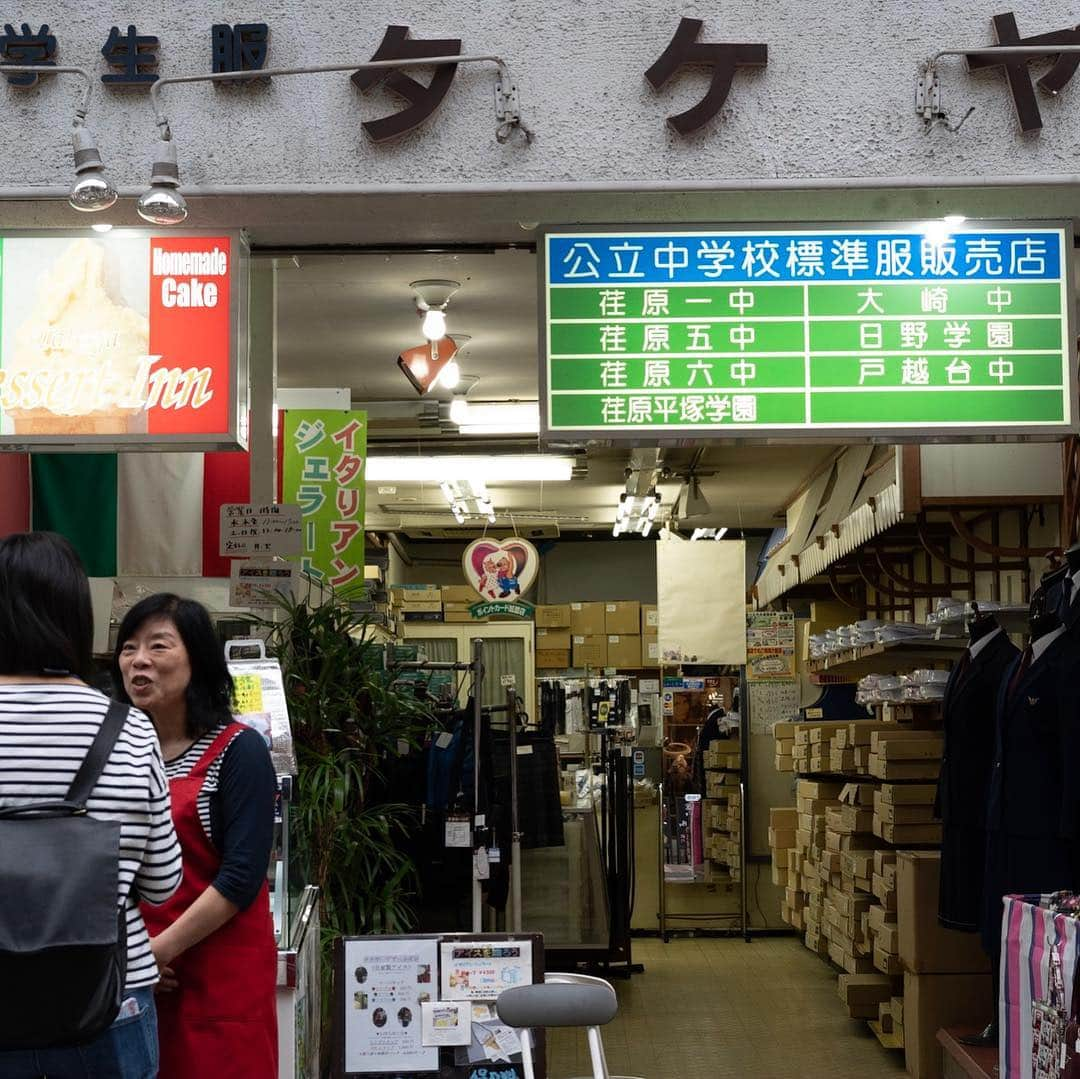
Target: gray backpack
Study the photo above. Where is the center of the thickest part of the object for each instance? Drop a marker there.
(63, 939)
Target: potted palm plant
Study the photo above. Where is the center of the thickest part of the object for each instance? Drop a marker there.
(351, 719)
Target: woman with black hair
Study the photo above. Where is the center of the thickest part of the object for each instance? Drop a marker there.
(49, 716)
(214, 941)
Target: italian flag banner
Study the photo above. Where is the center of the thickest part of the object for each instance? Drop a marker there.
(128, 514)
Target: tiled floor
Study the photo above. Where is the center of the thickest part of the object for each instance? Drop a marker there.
(723, 1009)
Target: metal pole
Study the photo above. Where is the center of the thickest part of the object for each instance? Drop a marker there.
(478, 687)
(515, 834)
(744, 787)
(663, 839)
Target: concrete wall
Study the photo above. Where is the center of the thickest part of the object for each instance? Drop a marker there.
(836, 99)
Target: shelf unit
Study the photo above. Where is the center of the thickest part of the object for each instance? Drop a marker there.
(854, 663)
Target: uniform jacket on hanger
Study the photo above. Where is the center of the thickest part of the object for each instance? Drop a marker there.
(970, 700)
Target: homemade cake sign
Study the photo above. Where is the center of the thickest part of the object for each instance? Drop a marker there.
(501, 572)
(125, 339)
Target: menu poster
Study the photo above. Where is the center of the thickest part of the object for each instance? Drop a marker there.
(259, 702)
(387, 984)
(476, 970)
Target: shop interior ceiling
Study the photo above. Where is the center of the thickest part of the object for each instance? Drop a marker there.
(345, 259)
(344, 318)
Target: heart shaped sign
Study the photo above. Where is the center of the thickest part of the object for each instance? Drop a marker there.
(501, 569)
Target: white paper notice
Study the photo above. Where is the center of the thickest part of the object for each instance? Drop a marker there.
(387, 984)
(477, 970)
(701, 594)
(446, 1022)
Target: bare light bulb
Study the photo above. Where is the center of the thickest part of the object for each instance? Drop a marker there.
(459, 411)
(450, 375)
(433, 326)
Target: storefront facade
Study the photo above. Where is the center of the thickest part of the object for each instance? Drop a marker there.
(785, 115)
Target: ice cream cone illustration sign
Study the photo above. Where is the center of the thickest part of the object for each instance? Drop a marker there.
(126, 340)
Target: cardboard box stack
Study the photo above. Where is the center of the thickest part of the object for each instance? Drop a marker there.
(419, 602)
(723, 810)
(372, 601)
(865, 788)
(456, 601)
(946, 975)
(554, 639)
(650, 640)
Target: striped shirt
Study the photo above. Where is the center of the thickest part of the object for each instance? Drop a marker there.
(45, 732)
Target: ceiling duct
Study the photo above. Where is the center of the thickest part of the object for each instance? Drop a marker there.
(693, 502)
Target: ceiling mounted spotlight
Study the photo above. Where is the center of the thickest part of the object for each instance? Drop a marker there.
(163, 204)
(92, 190)
(431, 297)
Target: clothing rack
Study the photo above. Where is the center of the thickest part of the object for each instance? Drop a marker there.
(476, 666)
(616, 815)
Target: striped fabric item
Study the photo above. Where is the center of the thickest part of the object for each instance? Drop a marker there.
(128, 514)
(1028, 932)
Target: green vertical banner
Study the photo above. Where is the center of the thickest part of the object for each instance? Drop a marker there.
(323, 472)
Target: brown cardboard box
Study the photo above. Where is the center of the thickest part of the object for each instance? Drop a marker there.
(623, 650)
(459, 593)
(590, 650)
(426, 606)
(554, 615)
(933, 1001)
(650, 650)
(623, 617)
(553, 638)
(460, 617)
(552, 657)
(650, 620)
(417, 593)
(588, 619)
(925, 947)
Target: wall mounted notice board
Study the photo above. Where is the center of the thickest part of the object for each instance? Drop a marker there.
(395, 995)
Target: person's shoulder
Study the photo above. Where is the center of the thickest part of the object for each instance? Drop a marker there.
(247, 745)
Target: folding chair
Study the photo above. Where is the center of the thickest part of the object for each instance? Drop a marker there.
(563, 1000)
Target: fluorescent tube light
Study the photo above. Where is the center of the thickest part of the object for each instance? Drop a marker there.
(495, 418)
(534, 467)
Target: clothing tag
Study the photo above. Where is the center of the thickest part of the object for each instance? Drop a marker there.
(524, 751)
(494, 855)
(481, 866)
(444, 740)
(480, 820)
(458, 833)
(129, 1008)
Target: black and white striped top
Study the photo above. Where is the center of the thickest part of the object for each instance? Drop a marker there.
(45, 732)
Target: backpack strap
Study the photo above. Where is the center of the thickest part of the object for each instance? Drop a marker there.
(97, 756)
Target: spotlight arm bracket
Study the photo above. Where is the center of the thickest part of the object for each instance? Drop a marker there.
(82, 108)
(928, 87)
(507, 111)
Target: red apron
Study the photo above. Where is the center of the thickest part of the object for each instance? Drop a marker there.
(222, 1020)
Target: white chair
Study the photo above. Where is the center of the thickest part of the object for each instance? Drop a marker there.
(563, 1000)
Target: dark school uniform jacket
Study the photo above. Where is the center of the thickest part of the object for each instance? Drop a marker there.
(970, 735)
(1034, 789)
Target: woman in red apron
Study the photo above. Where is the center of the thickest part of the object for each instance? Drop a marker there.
(214, 940)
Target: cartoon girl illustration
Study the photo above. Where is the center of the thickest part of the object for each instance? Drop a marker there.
(498, 568)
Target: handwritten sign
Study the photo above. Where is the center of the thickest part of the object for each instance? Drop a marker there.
(248, 529)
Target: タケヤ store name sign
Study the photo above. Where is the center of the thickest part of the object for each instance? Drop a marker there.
(127, 340)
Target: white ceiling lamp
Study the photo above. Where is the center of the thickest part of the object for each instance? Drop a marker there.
(459, 494)
(431, 297)
(498, 418)
(535, 467)
(636, 513)
(708, 534)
